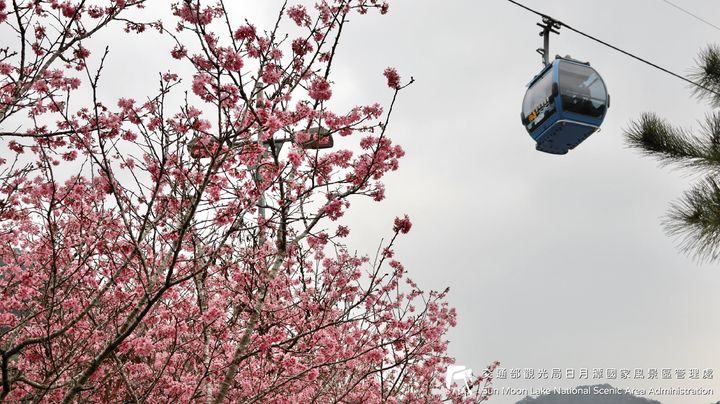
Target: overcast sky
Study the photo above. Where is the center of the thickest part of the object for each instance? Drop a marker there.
(553, 261)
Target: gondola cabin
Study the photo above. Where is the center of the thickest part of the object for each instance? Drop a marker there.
(564, 104)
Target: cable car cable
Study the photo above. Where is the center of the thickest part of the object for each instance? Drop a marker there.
(647, 62)
(697, 17)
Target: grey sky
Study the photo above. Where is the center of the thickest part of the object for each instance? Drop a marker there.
(553, 261)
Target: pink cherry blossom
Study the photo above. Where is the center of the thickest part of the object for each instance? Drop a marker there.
(320, 90)
(271, 74)
(244, 33)
(178, 52)
(233, 61)
(298, 13)
(402, 225)
(393, 78)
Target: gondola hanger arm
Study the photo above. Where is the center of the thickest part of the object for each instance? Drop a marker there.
(548, 26)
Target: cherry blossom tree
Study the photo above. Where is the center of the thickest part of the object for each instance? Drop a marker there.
(187, 244)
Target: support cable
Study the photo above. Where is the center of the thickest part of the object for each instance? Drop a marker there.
(693, 15)
(647, 62)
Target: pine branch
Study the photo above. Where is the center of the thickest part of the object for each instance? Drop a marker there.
(655, 137)
(708, 74)
(695, 219)
(710, 135)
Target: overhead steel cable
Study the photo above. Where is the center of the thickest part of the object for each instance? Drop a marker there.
(695, 16)
(647, 62)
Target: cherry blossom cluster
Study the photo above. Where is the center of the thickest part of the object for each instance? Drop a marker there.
(188, 244)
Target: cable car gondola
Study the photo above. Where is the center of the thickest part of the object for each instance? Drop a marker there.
(566, 102)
